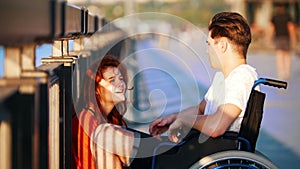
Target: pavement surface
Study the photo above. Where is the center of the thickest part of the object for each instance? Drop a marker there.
(279, 136)
(171, 81)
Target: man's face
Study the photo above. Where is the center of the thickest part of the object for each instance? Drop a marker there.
(213, 53)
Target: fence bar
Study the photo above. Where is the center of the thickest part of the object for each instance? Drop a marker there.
(12, 60)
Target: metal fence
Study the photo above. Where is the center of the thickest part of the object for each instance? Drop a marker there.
(36, 103)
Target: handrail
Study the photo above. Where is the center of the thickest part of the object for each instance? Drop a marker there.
(40, 21)
(24, 26)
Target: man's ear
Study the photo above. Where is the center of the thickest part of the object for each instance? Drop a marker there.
(223, 44)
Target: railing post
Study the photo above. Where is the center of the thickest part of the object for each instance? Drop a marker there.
(28, 57)
(78, 44)
(60, 126)
(12, 60)
(5, 144)
(20, 133)
(60, 48)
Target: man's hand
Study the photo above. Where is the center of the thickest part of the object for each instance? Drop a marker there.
(161, 125)
(174, 130)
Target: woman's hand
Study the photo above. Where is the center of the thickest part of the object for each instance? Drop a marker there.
(161, 125)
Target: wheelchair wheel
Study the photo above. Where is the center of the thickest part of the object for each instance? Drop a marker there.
(234, 159)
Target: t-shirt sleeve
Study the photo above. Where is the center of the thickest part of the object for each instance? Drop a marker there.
(238, 88)
(209, 93)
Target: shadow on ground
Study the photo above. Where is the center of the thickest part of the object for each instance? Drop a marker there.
(281, 155)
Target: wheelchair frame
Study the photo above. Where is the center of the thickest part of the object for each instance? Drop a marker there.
(247, 157)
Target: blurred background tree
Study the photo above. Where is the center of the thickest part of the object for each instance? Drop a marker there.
(195, 11)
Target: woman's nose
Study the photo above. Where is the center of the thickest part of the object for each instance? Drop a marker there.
(120, 83)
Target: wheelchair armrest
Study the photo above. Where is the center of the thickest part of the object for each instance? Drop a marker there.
(243, 143)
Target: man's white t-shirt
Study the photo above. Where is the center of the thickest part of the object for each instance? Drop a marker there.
(234, 89)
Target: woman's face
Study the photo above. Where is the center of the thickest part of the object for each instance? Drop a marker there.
(112, 86)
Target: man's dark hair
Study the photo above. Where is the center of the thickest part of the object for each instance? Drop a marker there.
(232, 26)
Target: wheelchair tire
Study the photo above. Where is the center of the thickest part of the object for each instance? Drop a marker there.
(234, 159)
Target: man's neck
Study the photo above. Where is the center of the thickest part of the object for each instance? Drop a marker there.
(231, 65)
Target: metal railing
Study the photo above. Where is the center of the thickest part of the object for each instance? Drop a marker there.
(36, 103)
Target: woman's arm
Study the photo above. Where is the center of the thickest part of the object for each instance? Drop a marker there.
(115, 140)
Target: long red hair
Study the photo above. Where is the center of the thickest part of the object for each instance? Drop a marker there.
(116, 114)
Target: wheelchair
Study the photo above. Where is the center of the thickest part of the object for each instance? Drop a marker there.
(245, 156)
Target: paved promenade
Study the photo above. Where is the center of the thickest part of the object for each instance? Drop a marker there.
(279, 136)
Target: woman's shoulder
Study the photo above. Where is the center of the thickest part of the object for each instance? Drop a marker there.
(87, 117)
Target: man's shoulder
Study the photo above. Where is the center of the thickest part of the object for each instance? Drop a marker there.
(244, 72)
(245, 69)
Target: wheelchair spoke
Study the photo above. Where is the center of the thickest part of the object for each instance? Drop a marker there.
(237, 160)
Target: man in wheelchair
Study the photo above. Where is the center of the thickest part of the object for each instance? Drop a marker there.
(221, 111)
